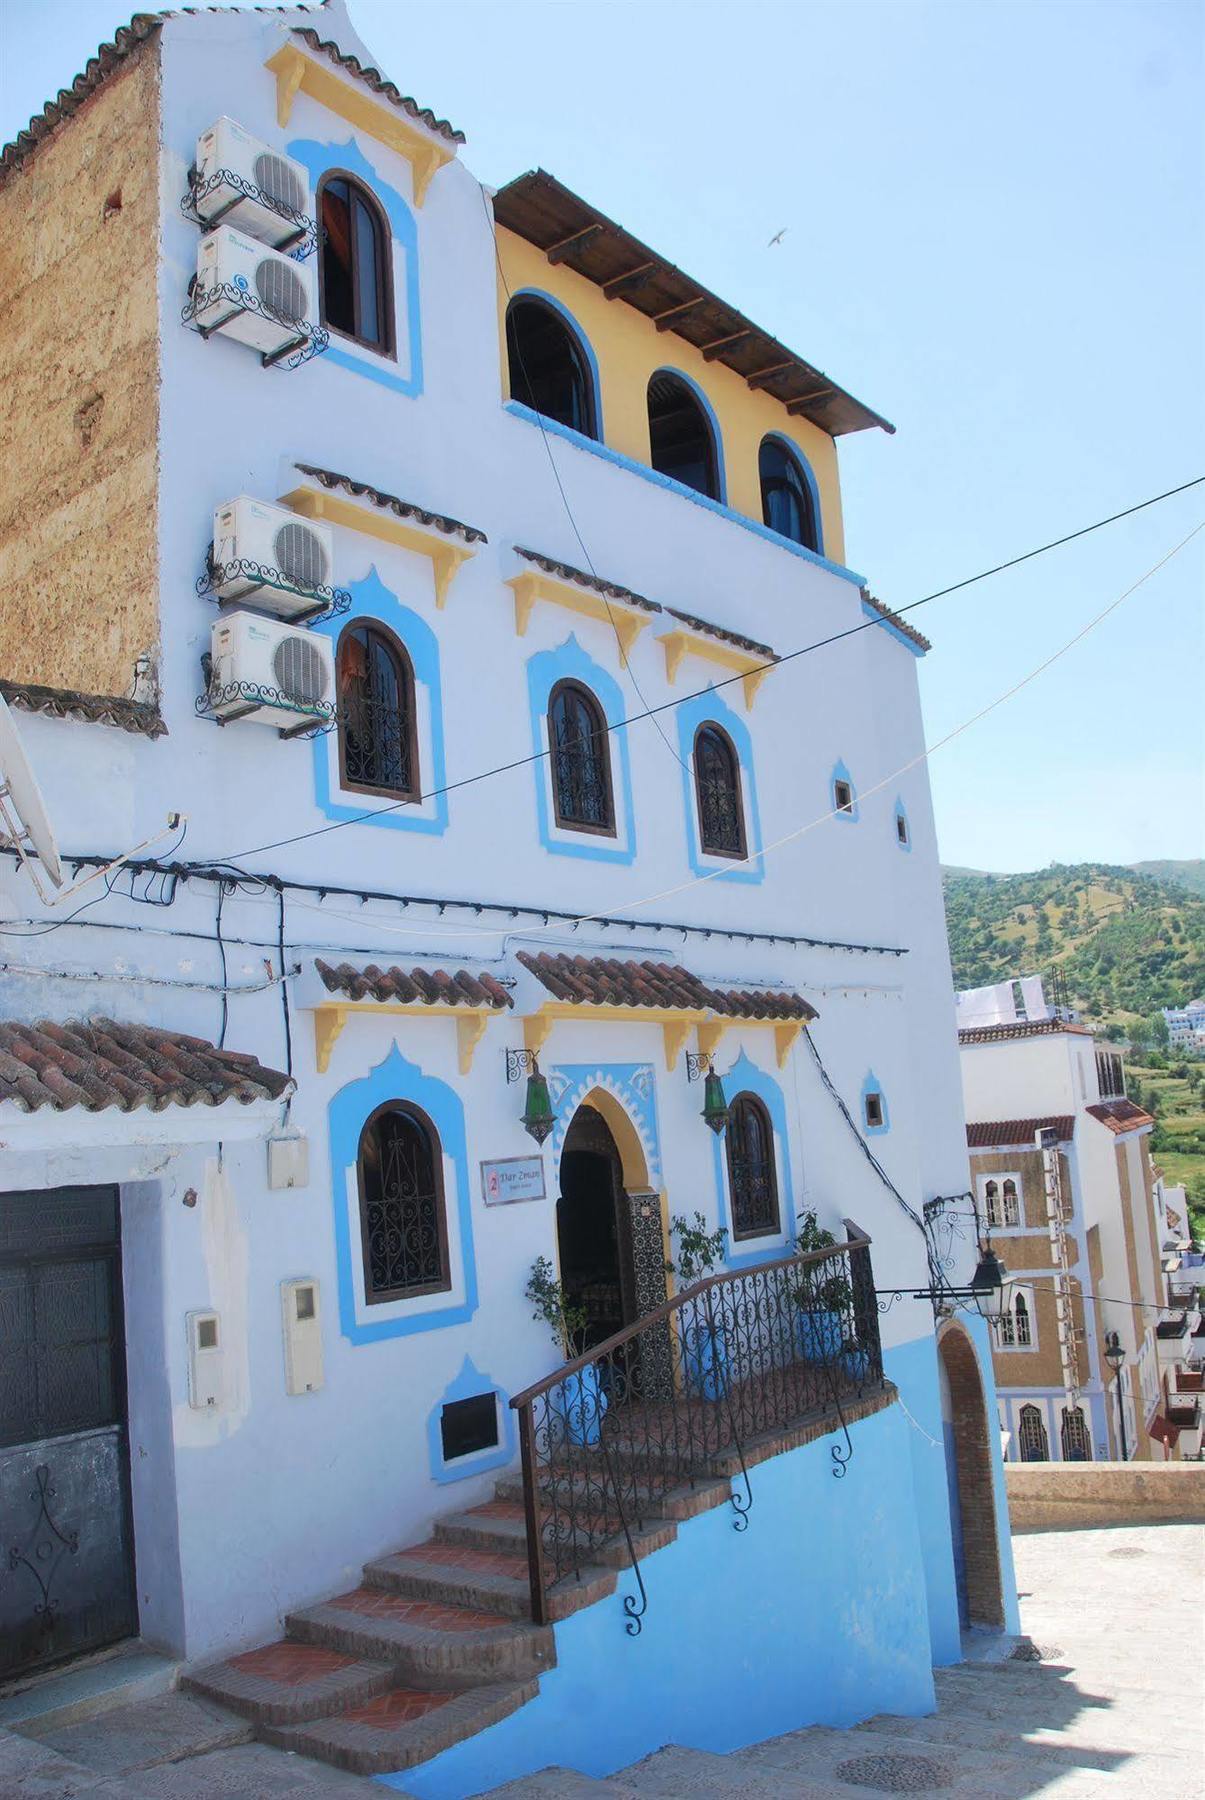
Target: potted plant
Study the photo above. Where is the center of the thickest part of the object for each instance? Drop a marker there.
(578, 1401)
(823, 1298)
(704, 1344)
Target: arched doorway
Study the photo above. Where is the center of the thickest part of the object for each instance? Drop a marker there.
(593, 1229)
(969, 1464)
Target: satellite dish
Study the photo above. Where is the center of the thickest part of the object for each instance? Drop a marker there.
(24, 821)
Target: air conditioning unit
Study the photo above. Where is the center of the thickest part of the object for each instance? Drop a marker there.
(269, 673)
(270, 558)
(251, 293)
(240, 181)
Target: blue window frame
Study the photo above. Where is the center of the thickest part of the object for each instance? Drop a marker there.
(789, 499)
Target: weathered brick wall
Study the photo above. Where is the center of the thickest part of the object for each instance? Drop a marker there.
(79, 393)
(1042, 1496)
(973, 1452)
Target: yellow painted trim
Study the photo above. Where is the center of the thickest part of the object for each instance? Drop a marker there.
(471, 1021)
(335, 509)
(675, 1036)
(296, 73)
(535, 1032)
(626, 621)
(710, 1035)
(678, 644)
(786, 1034)
(676, 1024)
(627, 1139)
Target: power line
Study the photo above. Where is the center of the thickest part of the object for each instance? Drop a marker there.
(650, 712)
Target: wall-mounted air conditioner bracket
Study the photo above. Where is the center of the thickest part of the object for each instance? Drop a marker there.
(311, 340)
(329, 603)
(301, 244)
(255, 696)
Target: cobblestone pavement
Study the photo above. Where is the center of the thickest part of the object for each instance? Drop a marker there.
(1114, 1708)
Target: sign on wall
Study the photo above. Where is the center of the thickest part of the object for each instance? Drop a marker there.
(512, 1178)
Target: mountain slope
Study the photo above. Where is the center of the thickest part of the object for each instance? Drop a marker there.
(1190, 875)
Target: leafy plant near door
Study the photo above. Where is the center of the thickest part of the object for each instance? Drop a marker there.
(565, 1319)
(704, 1342)
(823, 1298)
(578, 1403)
(699, 1251)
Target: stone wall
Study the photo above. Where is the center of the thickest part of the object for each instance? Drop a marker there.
(1046, 1496)
(79, 393)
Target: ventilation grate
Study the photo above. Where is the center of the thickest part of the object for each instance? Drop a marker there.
(278, 181)
(281, 289)
(300, 556)
(300, 670)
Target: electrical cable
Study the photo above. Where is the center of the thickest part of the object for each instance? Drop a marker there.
(131, 977)
(523, 762)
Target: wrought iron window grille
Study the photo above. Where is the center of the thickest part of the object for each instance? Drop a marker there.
(301, 244)
(254, 695)
(311, 339)
(402, 1219)
(376, 743)
(329, 602)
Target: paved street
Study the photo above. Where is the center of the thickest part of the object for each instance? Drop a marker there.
(1115, 1707)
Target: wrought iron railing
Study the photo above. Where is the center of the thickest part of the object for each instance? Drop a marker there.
(680, 1398)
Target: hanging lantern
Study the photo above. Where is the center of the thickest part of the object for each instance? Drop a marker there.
(538, 1116)
(988, 1289)
(715, 1105)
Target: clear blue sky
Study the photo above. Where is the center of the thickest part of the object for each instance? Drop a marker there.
(995, 235)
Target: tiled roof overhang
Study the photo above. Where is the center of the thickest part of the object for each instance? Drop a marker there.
(101, 1063)
(1017, 1134)
(567, 572)
(411, 987)
(379, 84)
(893, 619)
(1003, 1034)
(537, 207)
(722, 632)
(405, 509)
(92, 709)
(108, 60)
(1121, 1115)
(607, 981)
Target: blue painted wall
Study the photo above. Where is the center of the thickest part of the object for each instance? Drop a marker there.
(815, 1614)
(913, 1368)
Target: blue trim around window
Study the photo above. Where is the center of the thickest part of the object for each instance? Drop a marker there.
(318, 158)
(571, 663)
(555, 429)
(805, 469)
(900, 812)
(583, 344)
(710, 708)
(396, 1079)
(717, 436)
(872, 1085)
(841, 773)
(744, 1077)
(372, 600)
(872, 612)
(467, 1385)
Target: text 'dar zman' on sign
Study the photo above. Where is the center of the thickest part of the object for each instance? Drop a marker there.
(512, 1178)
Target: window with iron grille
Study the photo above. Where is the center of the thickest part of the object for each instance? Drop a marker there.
(718, 793)
(377, 747)
(581, 760)
(403, 1223)
(353, 263)
(1032, 1440)
(1077, 1445)
(752, 1180)
(1024, 1327)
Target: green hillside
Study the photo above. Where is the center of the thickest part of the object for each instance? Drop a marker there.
(1127, 942)
(1190, 875)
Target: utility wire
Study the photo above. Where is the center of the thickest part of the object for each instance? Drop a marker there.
(649, 712)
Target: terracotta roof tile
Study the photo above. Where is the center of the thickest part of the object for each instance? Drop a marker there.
(108, 59)
(1023, 1028)
(100, 1063)
(1121, 1115)
(92, 709)
(377, 82)
(430, 987)
(405, 509)
(1011, 1134)
(608, 981)
(893, 618)
(567, 572)
(722, 632)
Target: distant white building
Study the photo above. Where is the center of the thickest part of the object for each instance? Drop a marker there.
(1186, 1025)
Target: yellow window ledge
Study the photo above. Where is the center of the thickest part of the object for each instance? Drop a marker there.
(676, 1027)
(627, 622)
(335, 509)
(754, 669)
(296, 73)
(471, 1022)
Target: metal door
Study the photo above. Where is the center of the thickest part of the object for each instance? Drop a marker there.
(66, 1543)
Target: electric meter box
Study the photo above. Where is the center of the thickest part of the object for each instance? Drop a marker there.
(302, 1321)
(206, 1361)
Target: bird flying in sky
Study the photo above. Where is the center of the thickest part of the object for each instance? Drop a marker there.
(777, 238)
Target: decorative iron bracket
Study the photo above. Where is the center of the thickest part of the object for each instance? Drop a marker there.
(301, 243)
(328, 602)
(254, 695)
(518, 1064)
(311, 340)
(698, 1064)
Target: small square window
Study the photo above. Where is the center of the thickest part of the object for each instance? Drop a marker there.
(469, 1425)
(901, 828)
(843, 795)
(207, 1334)
(305, 1303)
(874, 1109)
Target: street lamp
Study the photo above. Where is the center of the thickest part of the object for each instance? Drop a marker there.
(1115, 1357)
(988, 1285)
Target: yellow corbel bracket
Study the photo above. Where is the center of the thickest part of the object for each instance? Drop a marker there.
(288, 65)
(677, 644)
(336, 509)
(710, 1034)
(535, 1031)
(470, 1029)
(529, 587)
(675, 1033)
(752, 682)
(328, 1023)
(786, 1033)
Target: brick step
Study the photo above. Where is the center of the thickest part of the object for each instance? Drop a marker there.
(288, 1683)
(427, 1644)
(498, 1525)
(401, 1727)
(678, 1503)
(595, 1536)
(483, 1580)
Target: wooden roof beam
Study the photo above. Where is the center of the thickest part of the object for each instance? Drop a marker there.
(713, 350)
(807, 400)
(762, 376)
(629, 281)
(667, 321)
(569, 246)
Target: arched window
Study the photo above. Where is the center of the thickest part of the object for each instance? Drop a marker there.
(1021, 1317)
(353, 263)
(1012, 1205)
(752, 1181)
(680, 436)
(378, 751)
(787, 503)
(581, 760)
(548, 367)
(718, 793)
(991, 1200)
(1032, 1440)
(403, 1224)
(1077, 1445)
